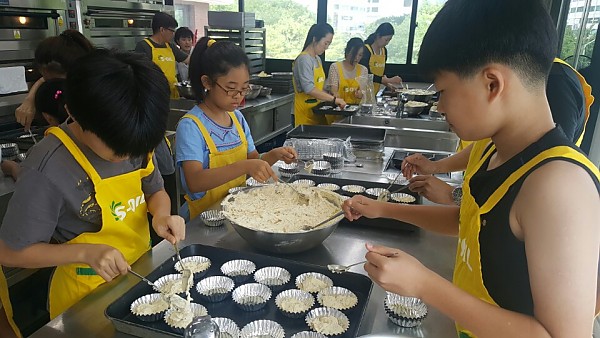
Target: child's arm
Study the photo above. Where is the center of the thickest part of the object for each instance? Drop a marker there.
(11, 168)
(167, 226)
(286, 154)
(437, 218)
(562, 241)
(108, 262)
(199, 179)
(401, 273)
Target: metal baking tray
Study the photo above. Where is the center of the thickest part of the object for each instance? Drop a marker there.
(363, 221)
(326, 108)
(360, 135)
(123, 320)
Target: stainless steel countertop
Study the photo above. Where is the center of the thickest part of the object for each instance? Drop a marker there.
(345, 246)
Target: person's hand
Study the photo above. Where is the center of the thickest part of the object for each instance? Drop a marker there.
(358, 94)
(260, 170)
(285, 154)
(432, 188)
(359, 206)
(395, 270)
(107, 261)
(340, 102)
(9, 168)
(395, 80)
(25, 113)
(169, 227)
(417, 163)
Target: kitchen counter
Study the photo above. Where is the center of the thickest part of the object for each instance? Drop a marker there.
(345, 246)
(267, 117)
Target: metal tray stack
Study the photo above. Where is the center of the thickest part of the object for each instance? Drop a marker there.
(362, 139)
(377, 222)
(119, 313)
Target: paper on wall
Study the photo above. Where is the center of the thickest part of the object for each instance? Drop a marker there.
(12, 80)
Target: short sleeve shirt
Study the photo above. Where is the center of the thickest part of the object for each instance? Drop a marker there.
(191, 145)
(304, 72)
(54, 199)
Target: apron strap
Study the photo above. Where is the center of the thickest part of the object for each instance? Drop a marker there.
(555, 152)
(212, 147)
(76, 152)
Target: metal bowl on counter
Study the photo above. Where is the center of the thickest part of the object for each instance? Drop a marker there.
(185, 90)
(283, 242)
(414, 108)
(265, 91)
(422, 95)
(254, 91)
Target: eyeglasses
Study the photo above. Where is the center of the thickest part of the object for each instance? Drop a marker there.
(169, 29)
(233, 92)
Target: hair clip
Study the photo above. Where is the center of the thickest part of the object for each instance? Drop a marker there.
(57, 94)
(210, 42)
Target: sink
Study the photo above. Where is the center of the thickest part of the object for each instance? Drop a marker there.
(393, 122)
(421, 139)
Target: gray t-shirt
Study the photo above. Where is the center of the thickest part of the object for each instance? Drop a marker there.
(143, 47)
(54, 197)
(163, 159)
(304, 72)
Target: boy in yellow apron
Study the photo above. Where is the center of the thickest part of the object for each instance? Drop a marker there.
(89, 185)
(215, 149)
(526, 258)
(163, 52)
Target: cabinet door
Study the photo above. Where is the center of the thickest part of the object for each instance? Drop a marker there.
(283, 116)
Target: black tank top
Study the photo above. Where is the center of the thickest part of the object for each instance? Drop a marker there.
(503, 258)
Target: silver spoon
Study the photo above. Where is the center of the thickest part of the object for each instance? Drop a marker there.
(337, 268)
(385, 195)
(187, 273)
(143, 278)
(336, 215)
(202, 327)
(431, 85)
(303, 197)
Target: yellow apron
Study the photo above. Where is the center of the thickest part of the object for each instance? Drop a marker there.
(6, 305)
(124, 226)
(467, 269)
(303, 103)
(587, 92)
(376, 65)
(165, 60)
(218, 159)
(346, 90)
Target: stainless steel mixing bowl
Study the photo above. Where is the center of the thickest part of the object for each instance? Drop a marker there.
(284, 243)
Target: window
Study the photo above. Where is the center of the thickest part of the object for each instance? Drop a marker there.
(195, 14)
(286, 22)
(366, 18)
(575, 29)
(426, 11)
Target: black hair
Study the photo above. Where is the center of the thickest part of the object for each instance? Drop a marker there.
(214, 61)
(317, 32)
(50, 99)
(121, 97)
(164, 20)
(353, 46)
(384, 29)
(183, 32)
(58, 53)
(467, 35)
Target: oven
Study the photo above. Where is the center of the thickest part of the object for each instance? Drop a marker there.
(115, 23)
(23, 25)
